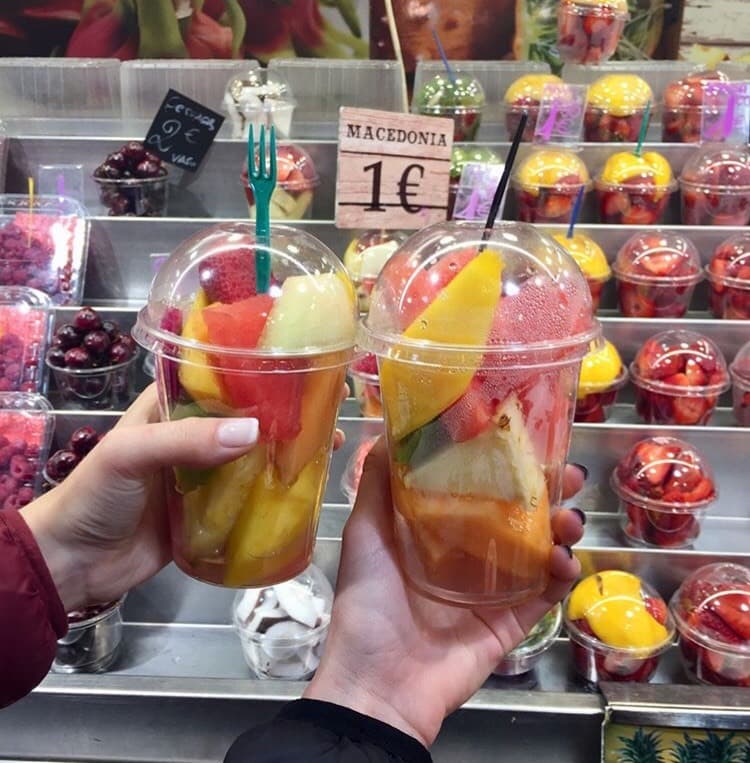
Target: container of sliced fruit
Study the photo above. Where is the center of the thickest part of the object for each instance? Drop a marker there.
(740, 371)
(525, 657)
(728, 276)
(590, 258)
(364, 258)
(602, 377)
(458, 97)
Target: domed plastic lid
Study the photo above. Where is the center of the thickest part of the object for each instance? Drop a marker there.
(295, 170)
(665, 472)
(309, 306)
(368, 252)
(541, 636)
(658, 257)
(544, 168)
(446, 294)
(528, 90)
(712, 607)
(617, 610)
(625, 171)
(597, 7)
(687, 93)
(463, 155)
(678, 362)
(441, 95)
(730, 264)
(620, 94)
(260, 86)
(601, 369)
(719, 168)
(587, 253)
(740, 368)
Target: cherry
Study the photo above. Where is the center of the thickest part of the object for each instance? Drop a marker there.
(87, 319)
(97, 342)
(119, 353)
(147, 169)
(77, 357)
(68, 336)
(112, 329)
(61, 464)
(83, 440)
(56, 357)
(128, 341)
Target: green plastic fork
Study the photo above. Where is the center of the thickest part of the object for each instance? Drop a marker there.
(262, 181)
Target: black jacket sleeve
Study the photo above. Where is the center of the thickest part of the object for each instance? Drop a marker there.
(309, 731)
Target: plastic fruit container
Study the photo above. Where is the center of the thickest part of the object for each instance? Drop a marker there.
(43, 245)
(283, 628)
(678, 376)
(461, 100)
(740, 371)
(728, 276)
(26, 424)
(683, 107)
(366, 384)
(62, 462)
(353, 470)
(591, 259)
(715, 186)
(296, 181)
(588, 31)
(460, 157)
(657, 274)
(364, 258)
(619, 627)
(602, 376)
(525, 657)
(634, 190)
(259, 98)
(712, 612)
(547, 183)
(524, 96)
(665, 487)
(616, 108)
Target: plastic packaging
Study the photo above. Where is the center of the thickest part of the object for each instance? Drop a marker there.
(525, 657)
(591, 259)
(602, 376)
(728, 276)
(259, 97)
(462, 99)
(366, 386)
(616, 108)
(682, 112)
(740, 371)
(588, 32)
(524, 97)
(460, 157)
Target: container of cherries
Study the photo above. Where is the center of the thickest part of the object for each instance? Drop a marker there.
(133, 182)
(62, 462)
(93, 362)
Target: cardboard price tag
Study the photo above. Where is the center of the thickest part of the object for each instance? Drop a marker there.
(561, 113)
(476, 190)
(183, 131)
(393, 169)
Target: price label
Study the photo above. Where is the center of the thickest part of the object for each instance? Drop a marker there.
(393, 169)
(726, 112)
(183, 131)
(561, 112)
(476, 190)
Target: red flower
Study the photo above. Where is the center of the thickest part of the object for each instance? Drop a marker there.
(106, 30)
(207, 38)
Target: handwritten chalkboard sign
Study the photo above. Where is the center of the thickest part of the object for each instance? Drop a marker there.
(183, 131)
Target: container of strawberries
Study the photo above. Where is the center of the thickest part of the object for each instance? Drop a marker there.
(683, 107)
(728, 276)
(588, 31)
(712, 612)
(678, 377)
(657, 273)
(665, 487)
(740, 371)
(619, 627)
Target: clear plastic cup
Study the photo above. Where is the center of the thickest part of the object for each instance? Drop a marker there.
(740, 372)
(619, 627)
(479, 345)
(602, 377)
(682, 110)
(524, 96)
(712, 612)
(547, 183)
(460, 157)
(590, 258)
(657, 274)
(616, 108)
(728, 276)
(96, 388)
(461, 99)
(259, 97)
(715, 186)
(280, 356)
(589, 32)
(296, 181)
(366, 386)
(665, 487)
(283, 628)
(525, 657)
(678, 377)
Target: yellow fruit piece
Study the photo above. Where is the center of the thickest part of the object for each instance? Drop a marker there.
(461, 314)
(624, 166)
(199, 381)
(548, 168)
(620, 94)
(273, 519)
(587, 253)
(530, 86)
(599, 369)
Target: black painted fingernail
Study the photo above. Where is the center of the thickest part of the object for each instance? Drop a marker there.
(581, 514)
(569, 550)
(583, 471)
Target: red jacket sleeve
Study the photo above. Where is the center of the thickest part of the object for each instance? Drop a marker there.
(32, 617)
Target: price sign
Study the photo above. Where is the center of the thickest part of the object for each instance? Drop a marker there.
(393, 169)
(561, 113)
(183, 131)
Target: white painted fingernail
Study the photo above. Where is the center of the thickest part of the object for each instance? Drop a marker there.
(237, 433)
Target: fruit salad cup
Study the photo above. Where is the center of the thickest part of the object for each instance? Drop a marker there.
(366, 386)
(665, 487)
(547, 183)
(728, 276)
(678, 376)
(479, 345)
(740, 371)
(682, 112)
(616, 108)
(296, 181)
(524, 96)
(525, 657)
(712, 612)
(588, 31)
(460, 157)
(656, 275)
(461, 99)
(591, 259)
(272, 344)
(619, 627)
(602, 376)
(634, 190)
(364, 259)
(715, 187)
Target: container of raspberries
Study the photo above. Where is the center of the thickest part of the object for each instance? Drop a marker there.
(26, 425)
(665, 487)
(712, 612)
(43, 245)
(93, 362)
(62, 462)
(740, 371)
(133, 182)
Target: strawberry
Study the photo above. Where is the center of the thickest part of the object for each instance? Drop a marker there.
(557, 205)
(734, 609)
(633, 303)
(656, 458)
(639, 216)
(470, 415)
(658, 263)
(711, 624)
(690, 411)
(695, 374)
(229, 276)
(656, 608)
